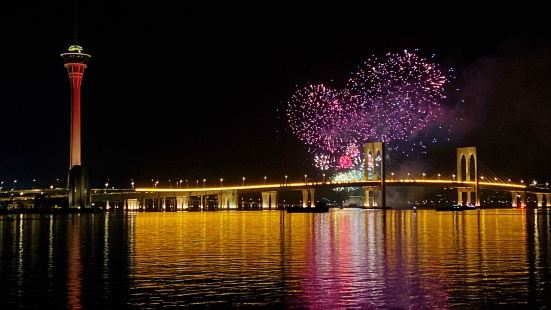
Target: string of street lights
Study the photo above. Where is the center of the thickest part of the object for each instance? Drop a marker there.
(264, 179)
(180, 183)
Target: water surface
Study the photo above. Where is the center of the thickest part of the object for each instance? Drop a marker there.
(343, 259)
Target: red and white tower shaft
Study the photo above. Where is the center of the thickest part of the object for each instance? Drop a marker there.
(76, 72)
(75, 62)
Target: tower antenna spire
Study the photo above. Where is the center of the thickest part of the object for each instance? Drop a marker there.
(76, 23)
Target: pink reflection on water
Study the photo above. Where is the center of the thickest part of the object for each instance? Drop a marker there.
(358, 260)
(333, 257)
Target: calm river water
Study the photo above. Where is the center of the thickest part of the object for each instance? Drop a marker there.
(343, 259)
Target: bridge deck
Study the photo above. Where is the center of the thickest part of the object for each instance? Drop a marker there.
(103, 194)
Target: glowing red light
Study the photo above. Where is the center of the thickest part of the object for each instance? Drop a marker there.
(345, 162)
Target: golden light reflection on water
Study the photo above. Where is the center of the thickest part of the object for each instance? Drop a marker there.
(205, 255)
(346, 258)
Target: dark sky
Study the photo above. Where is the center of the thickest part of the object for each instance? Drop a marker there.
(176, 93)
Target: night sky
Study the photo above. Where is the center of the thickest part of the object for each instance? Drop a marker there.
(176, 93)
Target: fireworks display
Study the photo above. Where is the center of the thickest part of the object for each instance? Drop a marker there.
(324, 119)
(323, 162)
(402, 92)
(391, 98)
(349, 175)
(345, 162)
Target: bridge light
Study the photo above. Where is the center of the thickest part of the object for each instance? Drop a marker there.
(521, 181)
(453, 177)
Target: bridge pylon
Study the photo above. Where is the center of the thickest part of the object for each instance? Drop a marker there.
(374, 156)
(466, 175)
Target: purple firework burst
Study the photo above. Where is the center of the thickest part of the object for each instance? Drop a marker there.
(390, 99)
